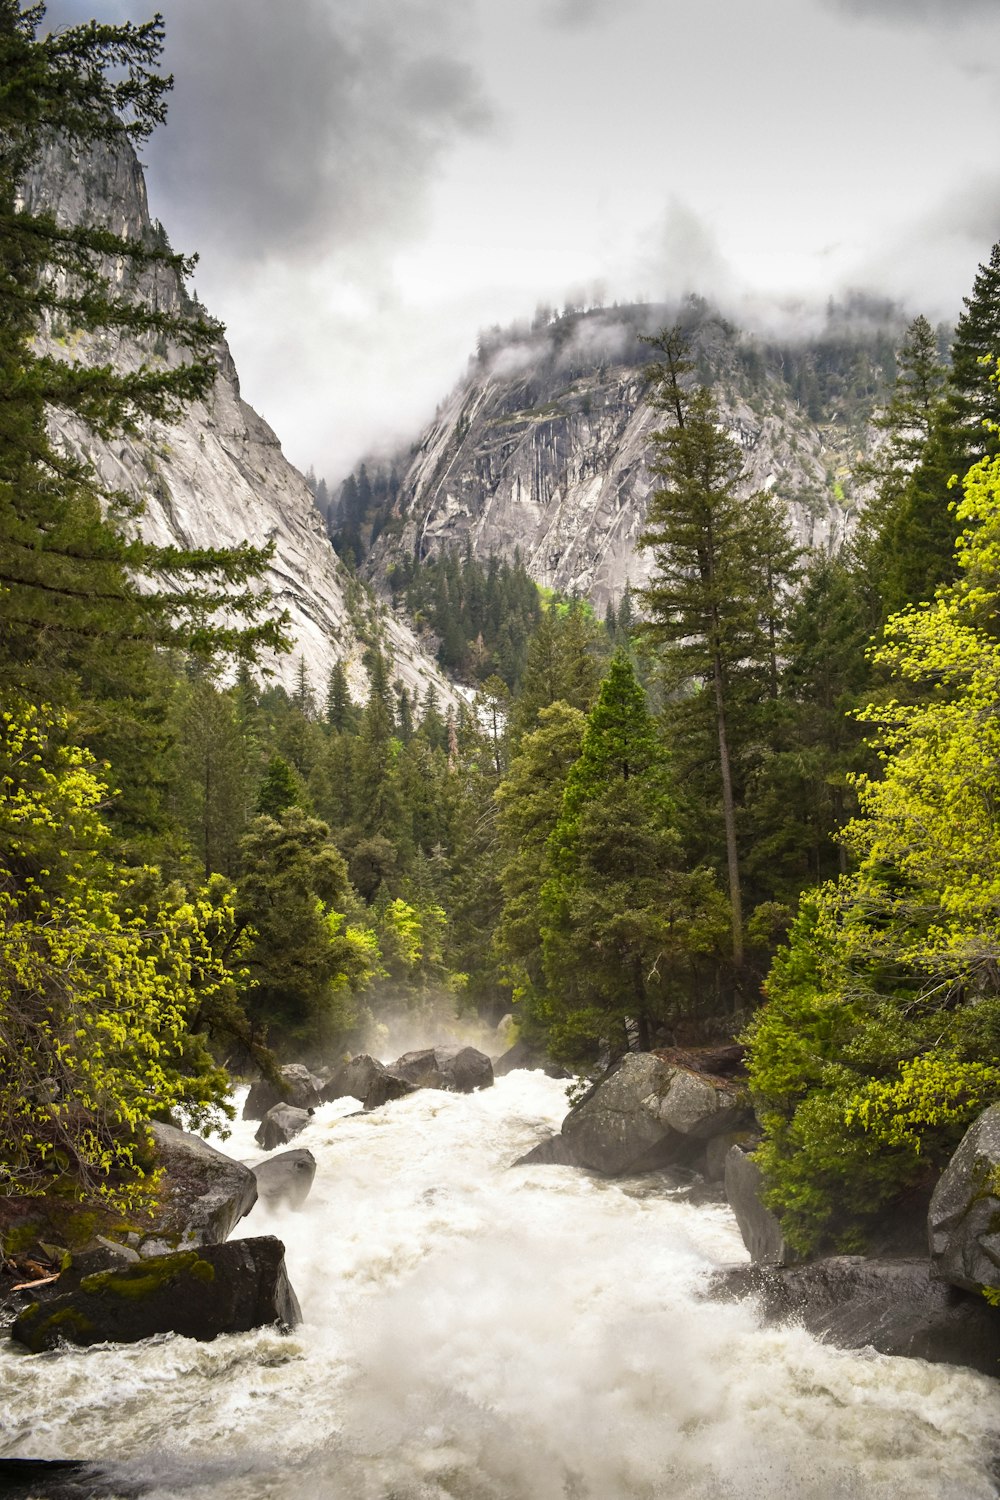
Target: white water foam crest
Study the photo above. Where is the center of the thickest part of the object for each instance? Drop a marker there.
(478, 1333)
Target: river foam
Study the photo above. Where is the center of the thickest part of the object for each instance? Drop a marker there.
(478, 1333)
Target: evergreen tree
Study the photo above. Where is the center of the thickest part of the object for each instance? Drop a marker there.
(529, 805)
(562, 666)
(620, 919)
(213, 794)
(306, 961)
(710, 597)
(341, 714)
(279, 789)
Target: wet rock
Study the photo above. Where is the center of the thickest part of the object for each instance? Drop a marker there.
(964, 1218)
(893, 1305)
(281, 1125)
(385, 1087)
(648, 1113)
(459, 1069)
(353, 1080)
(759, 1227)
(298, 1087)
(523, 1055)
(204, 1193)
(551, 1153)
(713, 1163)
(199, 1294)
(285, 1180)
(60, 1479)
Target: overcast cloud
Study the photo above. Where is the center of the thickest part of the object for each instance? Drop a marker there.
(369, 184)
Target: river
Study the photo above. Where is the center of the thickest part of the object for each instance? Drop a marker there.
(477, 1333)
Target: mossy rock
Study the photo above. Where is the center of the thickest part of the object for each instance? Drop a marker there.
(200, 1294)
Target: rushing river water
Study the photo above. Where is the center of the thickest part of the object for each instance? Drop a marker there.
(476, 1333)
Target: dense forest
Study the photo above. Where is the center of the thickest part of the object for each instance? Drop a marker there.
(771, 777)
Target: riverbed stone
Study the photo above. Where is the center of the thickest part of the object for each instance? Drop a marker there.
(963, 1221)
(203, 1193)
(458, 1069)
(280, 1125)
(894, 1306)
(298, 1087)
(648, 1113)
(198, 1294)
(759, 1227)
(285, 1180)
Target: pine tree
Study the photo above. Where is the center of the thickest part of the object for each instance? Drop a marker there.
(279, 789)
(72, 579)
(710, 598)
(341, 714)
(620, 918)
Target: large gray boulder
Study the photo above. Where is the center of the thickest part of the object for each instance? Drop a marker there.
(963, 1221)
(366, 1079)
(203, 1193)
(458, 1069)
(895, 1306)
(198, 1293)
(298, 1087)
(552, 1152)
(759, 1227)
(284, 1181)
(648, 1113)
(281, 1125)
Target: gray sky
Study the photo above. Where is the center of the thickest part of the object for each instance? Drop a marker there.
(369, 182)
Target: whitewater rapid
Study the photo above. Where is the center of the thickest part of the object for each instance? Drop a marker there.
(479, 1333)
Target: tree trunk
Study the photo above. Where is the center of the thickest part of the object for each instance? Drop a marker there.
(729, 816)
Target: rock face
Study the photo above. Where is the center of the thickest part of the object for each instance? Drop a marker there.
(280, 1125)
(545, 447)
(648, 1113)
(964, 1218)
(203, 1196)
(218, 477)
(759, 1227)
(893, 1305)
(299, 1087)
(458, 1069)
(196, 1293)
(285, 1180)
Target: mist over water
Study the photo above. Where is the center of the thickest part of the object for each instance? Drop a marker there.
(477, 1333)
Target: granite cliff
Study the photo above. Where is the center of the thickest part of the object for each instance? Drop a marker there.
(217, 477)
(545, 445)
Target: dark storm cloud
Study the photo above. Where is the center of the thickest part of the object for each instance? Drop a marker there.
(914, 12)
(294, 130)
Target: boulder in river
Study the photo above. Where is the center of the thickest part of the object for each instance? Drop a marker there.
(759, 1227)
(298, 1087)
(964, 1217)
(203, 1193)
(648, 1113)
(893, 1305)
(458, 1069)
(285, 1180)
(553, 1152)
(523, 1055)
(199, 1294)
(280, 1125)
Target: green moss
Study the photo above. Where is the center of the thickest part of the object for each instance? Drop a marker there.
(148, 1277)
(67, 1321)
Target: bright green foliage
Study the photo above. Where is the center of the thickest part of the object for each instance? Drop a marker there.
(98, 990)
(620, 919)
(881, 1038)
(305, 956)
